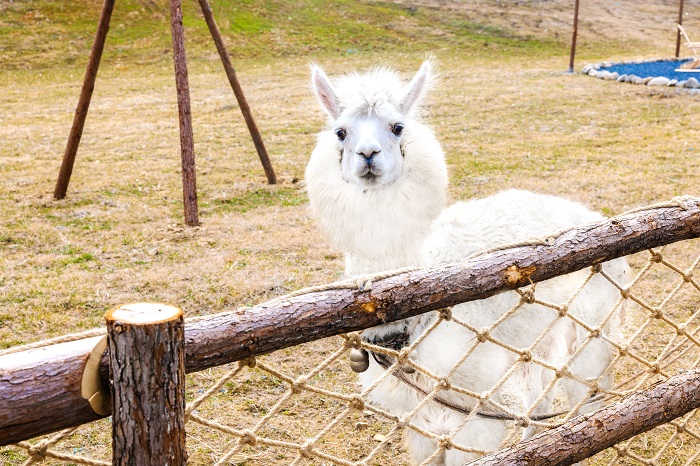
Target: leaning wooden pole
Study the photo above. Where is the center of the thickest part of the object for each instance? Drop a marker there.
(584, 436)
(238, 92)
(56, 400)
(81, 110)
(573, 38)
(147, 367)
(678, 31)
(189, 178)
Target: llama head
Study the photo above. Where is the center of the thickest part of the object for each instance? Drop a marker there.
(371, 116)
(377, 177)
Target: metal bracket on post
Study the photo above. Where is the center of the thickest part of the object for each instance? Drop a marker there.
(91, 386)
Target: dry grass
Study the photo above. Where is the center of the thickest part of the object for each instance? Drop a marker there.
(506, 120)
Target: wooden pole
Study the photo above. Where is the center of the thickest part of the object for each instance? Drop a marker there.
(189, 178)
(584, 436)
(40, 390)
(147, 366)
(84, 101)
(238, 92)
(678, 32)
(573, 38)
(236, 335)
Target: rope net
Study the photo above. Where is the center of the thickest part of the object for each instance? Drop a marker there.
(304, 406)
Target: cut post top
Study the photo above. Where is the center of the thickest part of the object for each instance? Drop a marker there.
(144, 313)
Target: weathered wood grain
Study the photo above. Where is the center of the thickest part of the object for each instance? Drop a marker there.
(147, 365)
(589, 434)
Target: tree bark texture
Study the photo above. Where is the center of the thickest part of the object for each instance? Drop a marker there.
(147, 365)
(84, 101)
(589, 434)
(40, 390)
(236, 335)
(267, 327)
(238, 92)
(189, 178)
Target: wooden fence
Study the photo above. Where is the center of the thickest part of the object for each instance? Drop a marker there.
(48, 387)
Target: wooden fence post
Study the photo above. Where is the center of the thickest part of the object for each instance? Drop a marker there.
(147, 367)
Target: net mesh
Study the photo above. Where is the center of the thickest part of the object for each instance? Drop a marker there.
(304, 406)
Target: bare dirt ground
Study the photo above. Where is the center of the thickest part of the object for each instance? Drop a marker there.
(118, 237)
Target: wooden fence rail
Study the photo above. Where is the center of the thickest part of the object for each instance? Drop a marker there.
(40, 389)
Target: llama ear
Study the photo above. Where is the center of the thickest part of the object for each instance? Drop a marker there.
(324, 91)
(416, 89)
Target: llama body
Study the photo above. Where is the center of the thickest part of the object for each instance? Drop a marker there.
(376, 183)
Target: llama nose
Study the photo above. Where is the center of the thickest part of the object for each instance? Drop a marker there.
(368, 148)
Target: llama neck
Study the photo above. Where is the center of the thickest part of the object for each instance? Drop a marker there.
(380, 229)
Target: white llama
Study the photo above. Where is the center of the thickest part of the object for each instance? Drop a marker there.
(376, 183)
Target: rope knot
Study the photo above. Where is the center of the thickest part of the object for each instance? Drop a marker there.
(526, 356)
(356, 402)
(307, 449)
(596, 268)
(623, 350)
(621, 450)
(482, 335)
(595, 333)
(563, 310)
(38, 452)
(654, 369)
(298, 384)
(524, 421)
(364, 284)
(656, 256)
(446, 313)
(402, 422)
(655, 312)
(527, 296)
(248, 438)
(680, 202)
(250, 362)
(403, 356)
(444, 441)
(444, 383)
(354, 340)
(625, 293)
(687, 275)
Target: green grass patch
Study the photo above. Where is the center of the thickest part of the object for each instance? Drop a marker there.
(41, 35)
(256, 199)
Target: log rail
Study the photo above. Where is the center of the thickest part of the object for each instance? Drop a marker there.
(40, 389)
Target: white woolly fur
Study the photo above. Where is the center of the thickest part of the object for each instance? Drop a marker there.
(380, 197)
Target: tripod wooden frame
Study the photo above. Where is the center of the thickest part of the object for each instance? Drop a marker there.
(189, 185)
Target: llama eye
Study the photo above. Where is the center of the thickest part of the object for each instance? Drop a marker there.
(341, 133)
(397, 129)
